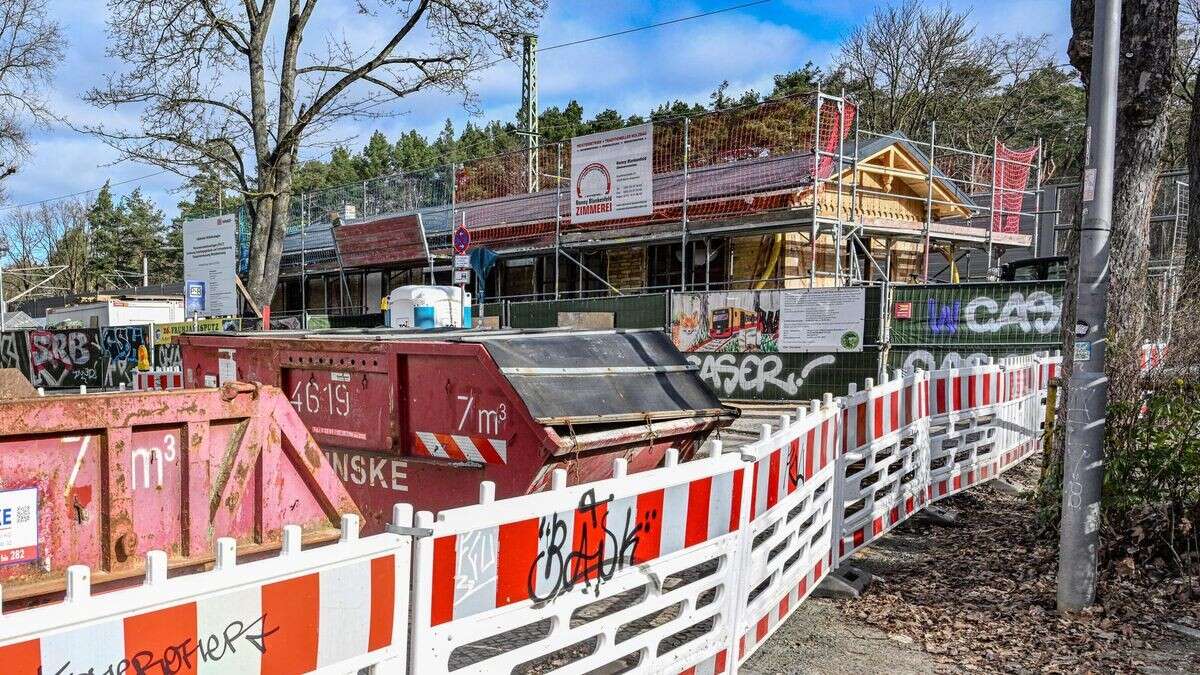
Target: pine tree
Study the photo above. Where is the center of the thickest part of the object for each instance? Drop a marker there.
(377, 158)
(104, 240)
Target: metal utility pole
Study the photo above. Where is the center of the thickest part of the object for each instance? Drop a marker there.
(1083, 473)
(529, 112)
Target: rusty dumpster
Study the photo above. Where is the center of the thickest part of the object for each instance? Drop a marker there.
(424, 416)
(101, 479)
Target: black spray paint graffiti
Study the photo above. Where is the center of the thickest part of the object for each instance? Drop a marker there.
(596, 552)
(744, 375)
(14, 351)
(121, 353)
(186, 656)
(168, 356)
(65, 358)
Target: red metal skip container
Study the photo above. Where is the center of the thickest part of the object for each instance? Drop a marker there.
(424, 416)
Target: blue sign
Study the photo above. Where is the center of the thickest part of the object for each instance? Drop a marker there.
(193, 296)
(462, 239)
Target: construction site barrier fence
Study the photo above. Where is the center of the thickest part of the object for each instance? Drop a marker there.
(687, 568)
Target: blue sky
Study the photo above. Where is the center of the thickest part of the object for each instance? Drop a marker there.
(628, 73)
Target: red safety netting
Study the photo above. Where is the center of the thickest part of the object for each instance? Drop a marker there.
(1008, 192)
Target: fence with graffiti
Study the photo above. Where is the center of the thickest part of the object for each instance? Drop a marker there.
(96, 358)
(946, 326)
(737, 340)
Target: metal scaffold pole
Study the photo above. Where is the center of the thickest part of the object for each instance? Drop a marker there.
(812, 238)
(995, 202)
(303, 261)
(1037, 203)
(837, 245)
(929, 200)
(684, 267)
(1083, 456)
(558, 215)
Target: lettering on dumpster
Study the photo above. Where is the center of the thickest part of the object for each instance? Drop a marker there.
(488, 421)
(151, 459)
(367, 471)
(596, 552)
(185, 656)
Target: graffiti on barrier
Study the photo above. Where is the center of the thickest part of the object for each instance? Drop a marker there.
(749, 375)
(14, 351)
(593, 553)
(979, 313)
(65, 358)
(168, 356)
(120, 345)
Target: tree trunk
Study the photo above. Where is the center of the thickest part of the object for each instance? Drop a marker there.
(1191, 270)
(1148, 35)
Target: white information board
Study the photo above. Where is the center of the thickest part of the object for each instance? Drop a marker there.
(822, 320)
(18, 526)
(612, 174)
(210, 255)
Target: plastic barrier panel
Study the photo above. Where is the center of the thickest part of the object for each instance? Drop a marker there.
(332, 609)
(638, 572)
(962, 435)
(787, 546)
(884, 470)
(158, 380)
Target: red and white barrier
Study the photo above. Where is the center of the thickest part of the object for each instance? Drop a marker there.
(686, 568)
(158, 380)
(788, 545)
(884, 472)
(337, 609)
(635, 569)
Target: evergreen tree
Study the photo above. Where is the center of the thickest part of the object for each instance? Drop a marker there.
(104, 240)
(377, 158)
(144, 235)
(413, 152)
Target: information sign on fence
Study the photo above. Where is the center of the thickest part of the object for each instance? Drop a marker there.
(822, 320)
(612, 174)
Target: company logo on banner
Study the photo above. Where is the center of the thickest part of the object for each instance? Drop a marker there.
(210, 256)
(612, 174)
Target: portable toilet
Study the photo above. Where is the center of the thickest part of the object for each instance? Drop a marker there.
(429, 307)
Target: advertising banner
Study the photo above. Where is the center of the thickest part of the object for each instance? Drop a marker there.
(612, 174)
(822, 320)
(210, 256)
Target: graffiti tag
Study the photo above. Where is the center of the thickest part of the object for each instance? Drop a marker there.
(184, 656)
(596, 553)
(728, 375)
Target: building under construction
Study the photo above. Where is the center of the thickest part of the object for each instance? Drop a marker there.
(788, 193)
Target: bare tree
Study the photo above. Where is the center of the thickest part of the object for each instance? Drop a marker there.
(909, 65)
(221, 84)
(31, 45)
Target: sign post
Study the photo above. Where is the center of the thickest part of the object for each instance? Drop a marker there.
(462, 267)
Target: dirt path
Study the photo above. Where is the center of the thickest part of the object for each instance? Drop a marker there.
(980, 597)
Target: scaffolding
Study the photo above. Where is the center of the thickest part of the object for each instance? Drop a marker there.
(798, 166)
